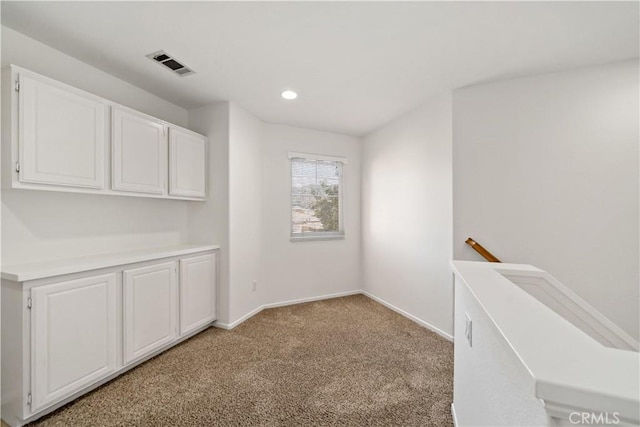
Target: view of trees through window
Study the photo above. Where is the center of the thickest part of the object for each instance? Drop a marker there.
(315, 196)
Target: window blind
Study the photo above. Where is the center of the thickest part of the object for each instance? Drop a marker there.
(316, 196)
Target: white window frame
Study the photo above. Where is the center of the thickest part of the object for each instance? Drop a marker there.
(319, 235)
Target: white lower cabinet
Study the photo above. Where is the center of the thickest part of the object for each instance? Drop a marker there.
(197, 296)
(73, 336)
(63, 334)
(150, 308)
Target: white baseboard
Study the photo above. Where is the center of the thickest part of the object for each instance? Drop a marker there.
(229, 326)
(453, 414)
(311, 299)
(409, 316)
(221, 325)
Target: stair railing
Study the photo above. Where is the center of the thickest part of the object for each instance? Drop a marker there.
(481, 250)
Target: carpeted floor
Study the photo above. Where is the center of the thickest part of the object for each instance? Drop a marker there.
(343, 362)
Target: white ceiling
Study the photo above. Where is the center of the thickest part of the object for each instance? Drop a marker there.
(355, 65)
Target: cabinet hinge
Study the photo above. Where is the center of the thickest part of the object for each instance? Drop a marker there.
(29, 302)
(18, 167)
(17, 86)
(29, 399)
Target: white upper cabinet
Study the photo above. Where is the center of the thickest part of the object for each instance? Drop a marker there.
(60, 138)
(61, 134)
(139, 156)
(187, 166)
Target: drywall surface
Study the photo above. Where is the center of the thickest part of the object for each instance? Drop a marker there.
(298, 270)
(245, 212)
(208, 221)
(491, 386)
(546, 173)
(407, 213)
(248, 213)
(20, 50)
(39, 225)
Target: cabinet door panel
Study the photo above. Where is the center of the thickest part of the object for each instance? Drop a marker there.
(197, 292)
(150, 309)
(187, 171)
(61, 135)
(73, 336)
(139, 153)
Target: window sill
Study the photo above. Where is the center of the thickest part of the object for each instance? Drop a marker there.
(317, 238)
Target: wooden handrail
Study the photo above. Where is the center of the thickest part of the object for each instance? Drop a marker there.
(481, 250)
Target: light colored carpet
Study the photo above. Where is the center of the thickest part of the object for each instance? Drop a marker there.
(341, 362)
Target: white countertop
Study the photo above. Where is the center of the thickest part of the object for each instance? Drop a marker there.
(570, 369)
(40, 270)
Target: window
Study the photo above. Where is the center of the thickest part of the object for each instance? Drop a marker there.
(316, 196)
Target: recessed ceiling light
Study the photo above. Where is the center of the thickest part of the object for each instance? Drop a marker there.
(289, 94)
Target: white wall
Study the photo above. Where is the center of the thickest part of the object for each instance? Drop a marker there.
(245, 211)
(208, 222)
(300, 270)
(40, 225)
(407, 213)
(546, 173)
(249, 209)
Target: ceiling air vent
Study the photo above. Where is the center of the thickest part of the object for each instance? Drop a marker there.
(163, 58)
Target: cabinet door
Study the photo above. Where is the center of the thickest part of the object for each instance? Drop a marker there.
(139, 153)
(61, 135)
(150, 309)
(187, 163)
(73, 336)
(197, 292)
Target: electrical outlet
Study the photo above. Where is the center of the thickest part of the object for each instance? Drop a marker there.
(254, 286)
(468, 324)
